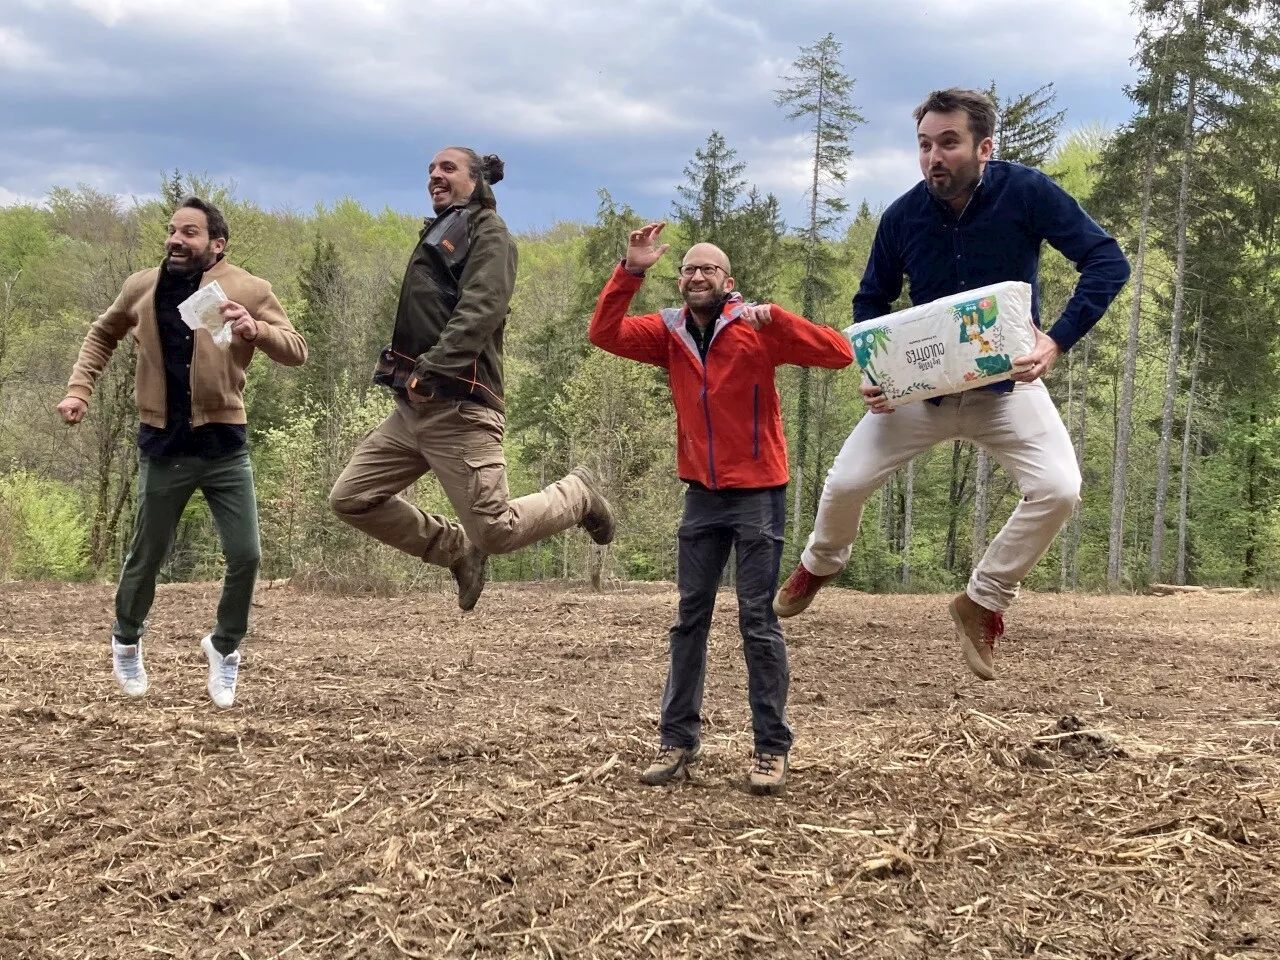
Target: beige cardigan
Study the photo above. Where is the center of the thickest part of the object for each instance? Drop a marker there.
(217, 373)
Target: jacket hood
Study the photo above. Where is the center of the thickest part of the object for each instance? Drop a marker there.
(483, 195)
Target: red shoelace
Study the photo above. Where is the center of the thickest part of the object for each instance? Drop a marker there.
(992, 628)
(801, 582)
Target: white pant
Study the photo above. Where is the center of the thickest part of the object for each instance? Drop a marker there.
(1024, 433)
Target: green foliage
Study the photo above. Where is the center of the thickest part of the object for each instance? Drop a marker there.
(43, 535)
(1027, 126)
(66, 497)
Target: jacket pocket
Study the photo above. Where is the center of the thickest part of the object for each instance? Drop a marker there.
(429, 285)
(215, 381)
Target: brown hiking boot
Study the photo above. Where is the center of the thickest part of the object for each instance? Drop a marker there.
(469, 575)
(598, 520)
(798, 592)
(670, 763)
(768, 775)
(977, 629)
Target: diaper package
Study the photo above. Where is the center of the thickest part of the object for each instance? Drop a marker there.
(951, 344)
(201, 310)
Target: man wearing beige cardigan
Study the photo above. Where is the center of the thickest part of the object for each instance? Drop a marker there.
(191, 433)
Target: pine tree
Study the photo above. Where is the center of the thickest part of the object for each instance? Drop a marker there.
(709, 195)
(819, 94)
(749, 230)
(1027, 126)
(754, 244)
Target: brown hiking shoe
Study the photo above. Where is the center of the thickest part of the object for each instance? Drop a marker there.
(798, 592)
(977, 629)
(768, 774)
(469, 575)
(598, 520)
(670, 763)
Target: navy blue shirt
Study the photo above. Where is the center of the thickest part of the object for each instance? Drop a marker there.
(1013, 209)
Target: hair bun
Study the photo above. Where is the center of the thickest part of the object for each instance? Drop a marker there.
(493, 167)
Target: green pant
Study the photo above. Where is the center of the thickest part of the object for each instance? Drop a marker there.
(165, 484)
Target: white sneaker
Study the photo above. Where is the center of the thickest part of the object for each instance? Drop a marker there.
(222, 673)
(126, 664)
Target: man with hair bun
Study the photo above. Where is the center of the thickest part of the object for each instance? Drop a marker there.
(444, 366)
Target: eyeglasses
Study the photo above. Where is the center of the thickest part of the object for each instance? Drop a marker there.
(708, 270)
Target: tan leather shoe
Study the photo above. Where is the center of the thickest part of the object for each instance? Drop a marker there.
(768, 774)
(798, 592)
(977, 629)
(670, 763)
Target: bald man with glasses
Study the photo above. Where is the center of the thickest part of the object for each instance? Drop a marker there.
(720, 354)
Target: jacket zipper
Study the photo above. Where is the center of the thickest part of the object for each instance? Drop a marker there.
(755, 422)
(706, 407)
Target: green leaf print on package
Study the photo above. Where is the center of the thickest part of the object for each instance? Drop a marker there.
(866, 345)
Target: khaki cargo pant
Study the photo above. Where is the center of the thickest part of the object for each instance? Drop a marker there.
(461, 442)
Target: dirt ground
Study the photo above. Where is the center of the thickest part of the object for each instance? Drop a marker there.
(399, 779)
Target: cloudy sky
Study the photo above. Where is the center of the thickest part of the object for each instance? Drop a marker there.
(306, 101)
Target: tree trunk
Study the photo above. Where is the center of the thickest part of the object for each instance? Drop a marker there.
(1064, 546)
(906, 524)
(1077, 519)
(1179, 296)
(981, 507)
(887, 530)
(538, 572)
(955, 498)
(821, 418)
(1251, 493)
(812, 241)
(1180, 573)
(797, 501)
(1124, 422)
(115, 423)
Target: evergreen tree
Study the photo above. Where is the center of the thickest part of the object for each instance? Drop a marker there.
(818, 94)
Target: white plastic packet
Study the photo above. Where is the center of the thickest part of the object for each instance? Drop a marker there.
(948, 345)
(200, 311)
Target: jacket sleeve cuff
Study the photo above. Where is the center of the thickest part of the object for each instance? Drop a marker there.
(79, 392)
(265, 334)
(636, 279)
(1064, 335)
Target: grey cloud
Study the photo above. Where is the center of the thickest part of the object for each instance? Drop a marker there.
(352, 98)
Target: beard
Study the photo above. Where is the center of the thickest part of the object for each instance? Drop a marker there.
(958, 183)
(705, 302)
(196, 261)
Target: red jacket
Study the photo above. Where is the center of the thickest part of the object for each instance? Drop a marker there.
(728, 415)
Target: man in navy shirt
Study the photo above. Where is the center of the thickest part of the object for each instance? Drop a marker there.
(972, 221)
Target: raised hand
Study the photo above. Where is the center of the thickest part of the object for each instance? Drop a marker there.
(641, 250)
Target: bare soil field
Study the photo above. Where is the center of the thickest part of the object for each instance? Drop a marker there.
(399, 779)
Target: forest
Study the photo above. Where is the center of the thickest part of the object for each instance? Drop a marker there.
(1171, 401)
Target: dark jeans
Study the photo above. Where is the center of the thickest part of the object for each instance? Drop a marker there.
(713, 523)
(165, 484)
